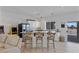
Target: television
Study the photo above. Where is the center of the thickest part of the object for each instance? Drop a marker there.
(72, 24)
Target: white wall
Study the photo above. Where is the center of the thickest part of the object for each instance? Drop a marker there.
(10, 19)
(0, 16)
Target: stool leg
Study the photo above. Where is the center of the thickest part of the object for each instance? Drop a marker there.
(36, 42)
(42, 44)
(31, 43)
(26, 43)
(54, 45)
(47, 44)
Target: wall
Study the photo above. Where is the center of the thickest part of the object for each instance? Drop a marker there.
(0, 16)
(10, 19)
(61, 19)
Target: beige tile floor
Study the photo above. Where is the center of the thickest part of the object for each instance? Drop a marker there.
(72, 47)
(59, 48)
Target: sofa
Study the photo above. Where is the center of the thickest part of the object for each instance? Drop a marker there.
(10, 43)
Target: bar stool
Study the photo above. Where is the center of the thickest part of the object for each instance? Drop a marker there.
(28, 37)
(39, 36)
(51, 36)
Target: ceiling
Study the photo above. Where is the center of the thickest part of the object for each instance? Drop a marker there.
(37, 11)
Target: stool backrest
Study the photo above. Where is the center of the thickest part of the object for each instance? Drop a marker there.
(28, 34)
(39, 34)
(50, 34)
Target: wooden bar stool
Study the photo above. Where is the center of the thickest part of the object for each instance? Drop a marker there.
(39, 36)
(28, 37)
(51, 36)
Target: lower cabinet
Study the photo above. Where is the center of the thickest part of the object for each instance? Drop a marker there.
(72, 38)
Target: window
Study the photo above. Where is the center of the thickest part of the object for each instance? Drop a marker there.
(50, 25)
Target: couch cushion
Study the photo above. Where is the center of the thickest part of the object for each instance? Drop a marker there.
(3, 37)
(2, 45)
(7, 46)
(12, 40)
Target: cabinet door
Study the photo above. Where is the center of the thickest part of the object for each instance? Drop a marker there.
(48, 25)
(52, 25)
(72, 38)
(28, 27)
(78, 31)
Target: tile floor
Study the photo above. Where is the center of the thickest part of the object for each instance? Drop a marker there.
(60, 47)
